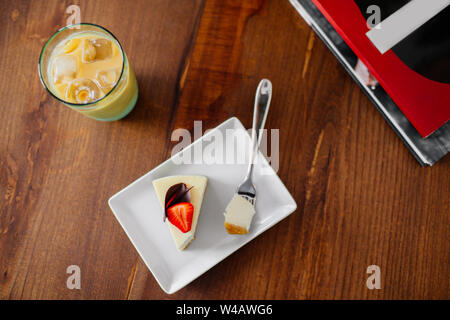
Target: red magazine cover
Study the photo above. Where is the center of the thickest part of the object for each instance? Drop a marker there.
(422, 91)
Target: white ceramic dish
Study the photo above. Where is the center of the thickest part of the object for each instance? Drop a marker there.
(137, 209)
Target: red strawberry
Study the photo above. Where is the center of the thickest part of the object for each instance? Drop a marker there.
(180, 215)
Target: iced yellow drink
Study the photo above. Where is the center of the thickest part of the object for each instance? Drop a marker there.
(88, 71)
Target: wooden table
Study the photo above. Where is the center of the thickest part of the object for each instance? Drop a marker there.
(362, 198)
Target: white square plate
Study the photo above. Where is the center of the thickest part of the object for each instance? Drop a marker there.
(139, 212)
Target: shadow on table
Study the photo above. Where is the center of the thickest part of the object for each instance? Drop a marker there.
(154, 93)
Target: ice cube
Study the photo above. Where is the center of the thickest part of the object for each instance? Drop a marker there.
(65, 67)
(107, 79)
(103, 48)
(82, 91)
(71, 45)
(88, 52)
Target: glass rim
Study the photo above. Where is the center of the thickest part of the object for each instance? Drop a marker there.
(79, 105)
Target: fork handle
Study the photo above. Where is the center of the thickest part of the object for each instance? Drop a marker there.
(262, 102)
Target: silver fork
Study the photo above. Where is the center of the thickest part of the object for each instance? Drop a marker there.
(262, 102)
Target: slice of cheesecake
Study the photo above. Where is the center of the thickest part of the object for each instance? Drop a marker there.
(181, 200)
(238, 215)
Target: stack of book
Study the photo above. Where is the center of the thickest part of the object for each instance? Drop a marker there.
(401, 62)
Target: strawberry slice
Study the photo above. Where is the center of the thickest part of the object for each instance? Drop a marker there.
(180, 215)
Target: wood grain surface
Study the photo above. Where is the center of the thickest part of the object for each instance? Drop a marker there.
(362, 198)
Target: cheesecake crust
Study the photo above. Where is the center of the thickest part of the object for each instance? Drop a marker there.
(234, 229)
(187, 244)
